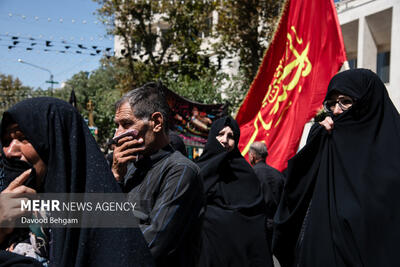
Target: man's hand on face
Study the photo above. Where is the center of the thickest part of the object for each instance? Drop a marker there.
(328, 124)
(127, 149)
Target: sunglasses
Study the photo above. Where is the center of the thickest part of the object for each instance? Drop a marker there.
(344, 103)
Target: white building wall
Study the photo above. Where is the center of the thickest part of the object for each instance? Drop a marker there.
(394, 87)
(367, 49)
(353, 10)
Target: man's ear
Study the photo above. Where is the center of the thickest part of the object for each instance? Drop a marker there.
(251, 157)
(158, 121)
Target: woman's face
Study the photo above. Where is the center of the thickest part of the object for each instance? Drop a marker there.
(338, 103)
(15, 145)
(226, 139)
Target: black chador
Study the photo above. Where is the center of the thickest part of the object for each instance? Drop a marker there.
(233, 227)
(340, 205)
(74, 164)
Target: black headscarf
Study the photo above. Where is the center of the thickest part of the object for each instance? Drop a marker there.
(234, 223)
(177, 143)
(75, 164)
(227, 174)
(340, 202)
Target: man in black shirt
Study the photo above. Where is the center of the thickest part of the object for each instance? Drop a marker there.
(271, 181)
(165, 185)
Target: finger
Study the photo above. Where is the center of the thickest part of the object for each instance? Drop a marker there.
(19, 180)
(12, 209)
(123, 146)
(17, 209)
(131, 152)
(125, 139)
(22, 189)
(127, 159)
(129, 142)
(330, 122)
(13, 214)
(121, 162)
(326, 125)
(128, 150)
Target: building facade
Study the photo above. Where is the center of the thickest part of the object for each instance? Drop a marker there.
(371, 34)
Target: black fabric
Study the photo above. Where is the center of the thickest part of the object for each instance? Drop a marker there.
(227, 174)
(11, 168)
(75, 164)
(177, 143)
(234, 221)
(8, 259)
(168, 190)
(272, 185)
(352, 177)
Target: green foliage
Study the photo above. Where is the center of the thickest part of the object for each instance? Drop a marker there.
(177, 53)
(235, 91)
(98, 86)
(245, 28)
(204, 90)
(149, 54)
(12, 91)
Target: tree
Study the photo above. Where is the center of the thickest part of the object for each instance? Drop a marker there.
(12, 91)
(158, 37)
(98, 86)
(163, 40)
(200, 90)
(244, 29)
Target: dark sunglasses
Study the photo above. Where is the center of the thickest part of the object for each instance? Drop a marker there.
(344, 103)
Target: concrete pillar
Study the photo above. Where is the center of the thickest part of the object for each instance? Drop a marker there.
(394, 78)
(367, 50)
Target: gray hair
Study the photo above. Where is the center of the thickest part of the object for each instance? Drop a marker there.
(146, 100)
(259, 149)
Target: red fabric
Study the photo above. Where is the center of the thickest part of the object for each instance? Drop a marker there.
(291, 83)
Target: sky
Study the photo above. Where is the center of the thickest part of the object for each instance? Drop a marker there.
(29, 27)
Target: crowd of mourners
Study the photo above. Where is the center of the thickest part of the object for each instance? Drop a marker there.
(336, 204)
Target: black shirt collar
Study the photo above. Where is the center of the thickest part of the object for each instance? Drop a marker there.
(149, 161)
(260, 163)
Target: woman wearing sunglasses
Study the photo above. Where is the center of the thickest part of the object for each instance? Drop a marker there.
(340, 205)
(335, 105)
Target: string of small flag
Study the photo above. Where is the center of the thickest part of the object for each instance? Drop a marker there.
(59, 20)
(30, 43)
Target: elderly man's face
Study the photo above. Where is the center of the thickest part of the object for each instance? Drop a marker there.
(252, 159)
(126, 120)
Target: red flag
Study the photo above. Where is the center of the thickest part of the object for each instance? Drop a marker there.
(291, 83)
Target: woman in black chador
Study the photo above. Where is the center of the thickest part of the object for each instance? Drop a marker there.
(49, 138)
(340, 206)
(234, 221)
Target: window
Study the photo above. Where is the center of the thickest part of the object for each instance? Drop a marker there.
(208, 29)
(383, 66)
(352, 63)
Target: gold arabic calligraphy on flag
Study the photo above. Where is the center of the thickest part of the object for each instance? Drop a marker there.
(277, 94)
